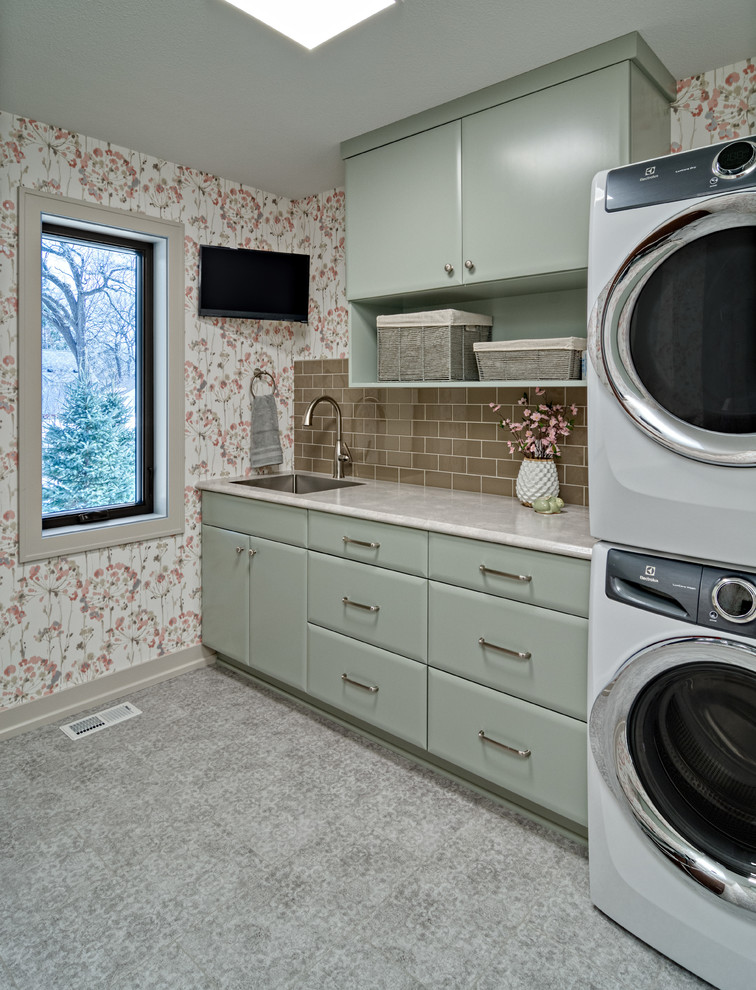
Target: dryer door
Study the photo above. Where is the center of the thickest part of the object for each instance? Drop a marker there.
(674, 332)
(674, 736)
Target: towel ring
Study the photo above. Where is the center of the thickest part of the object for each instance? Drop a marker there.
(260, 373)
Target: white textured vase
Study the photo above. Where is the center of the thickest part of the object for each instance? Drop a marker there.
(537, 477)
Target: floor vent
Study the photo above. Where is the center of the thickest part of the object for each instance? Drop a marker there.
(102, 720)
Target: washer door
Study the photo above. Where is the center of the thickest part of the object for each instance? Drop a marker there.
(674, 736)
(675, 332)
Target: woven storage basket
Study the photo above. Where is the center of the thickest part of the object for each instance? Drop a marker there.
(434, 346)
(506, 360)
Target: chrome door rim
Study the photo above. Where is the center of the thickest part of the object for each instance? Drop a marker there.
(608, 740)
(609, 333)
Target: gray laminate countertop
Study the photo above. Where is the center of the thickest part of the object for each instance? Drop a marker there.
(480, 517)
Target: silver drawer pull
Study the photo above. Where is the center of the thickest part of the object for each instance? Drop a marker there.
(373, 688)
(522, 753)
(513, 577)
(361, 543)
(365, 608)
(502, 649)
(252, 553)
(239, 549)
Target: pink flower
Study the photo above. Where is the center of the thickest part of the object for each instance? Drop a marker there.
(536, 433)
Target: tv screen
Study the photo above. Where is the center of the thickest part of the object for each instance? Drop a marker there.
(256, 285)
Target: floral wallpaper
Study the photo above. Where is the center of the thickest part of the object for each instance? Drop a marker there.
(71, 619)
(714, 106)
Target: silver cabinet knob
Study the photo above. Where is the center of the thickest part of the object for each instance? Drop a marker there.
(469, 265)
(448, 268)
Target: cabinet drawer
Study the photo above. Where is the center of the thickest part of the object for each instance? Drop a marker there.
(551, 667)
(532, 576)
(382, 688)
(385, 608)
(382, 544)
(285, 523)
(553, 775)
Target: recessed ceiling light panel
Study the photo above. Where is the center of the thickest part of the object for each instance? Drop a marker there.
(311, 22)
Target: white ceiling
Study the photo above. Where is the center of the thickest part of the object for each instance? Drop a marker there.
(199, 83)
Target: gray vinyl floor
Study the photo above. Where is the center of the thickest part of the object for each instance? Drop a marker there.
(227, 838)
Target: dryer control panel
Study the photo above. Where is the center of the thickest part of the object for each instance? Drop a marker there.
(687, 175)
(713, 597)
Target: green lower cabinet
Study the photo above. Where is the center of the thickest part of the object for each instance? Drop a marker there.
(225, 592)
(488, 677)
(529, 751)
(376, 686)
(254, 603)
(278, 611)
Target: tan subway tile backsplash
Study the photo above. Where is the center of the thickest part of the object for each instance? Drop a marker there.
(443, 437)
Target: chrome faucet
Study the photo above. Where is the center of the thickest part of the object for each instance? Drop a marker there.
(341, 454)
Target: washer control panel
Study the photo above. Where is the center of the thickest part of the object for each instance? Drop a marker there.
(705, 596)
(687, 175)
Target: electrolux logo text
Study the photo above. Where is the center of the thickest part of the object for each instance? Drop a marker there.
(650, 571)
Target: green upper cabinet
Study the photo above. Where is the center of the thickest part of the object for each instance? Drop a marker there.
(403, 219)
(494, 188)
(527, 168)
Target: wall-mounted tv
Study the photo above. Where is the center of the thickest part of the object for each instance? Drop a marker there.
(255, 285)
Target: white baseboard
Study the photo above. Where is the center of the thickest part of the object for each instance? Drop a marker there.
(71, 701)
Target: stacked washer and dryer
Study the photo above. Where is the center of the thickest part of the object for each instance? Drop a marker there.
(672, 455)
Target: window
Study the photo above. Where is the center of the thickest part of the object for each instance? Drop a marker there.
(101, 384)
(97, 361)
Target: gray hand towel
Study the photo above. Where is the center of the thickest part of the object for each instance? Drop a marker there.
(266, 440)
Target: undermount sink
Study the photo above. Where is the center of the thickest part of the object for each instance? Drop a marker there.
(297, 484)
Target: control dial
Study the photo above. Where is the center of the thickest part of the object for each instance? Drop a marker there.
(734, 599)
(736, 159)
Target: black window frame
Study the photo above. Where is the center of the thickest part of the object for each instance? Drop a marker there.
(144, 406)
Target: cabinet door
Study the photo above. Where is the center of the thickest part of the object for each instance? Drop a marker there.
(278, 611)
(527, 168)
(403, 215)
(225, 592)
